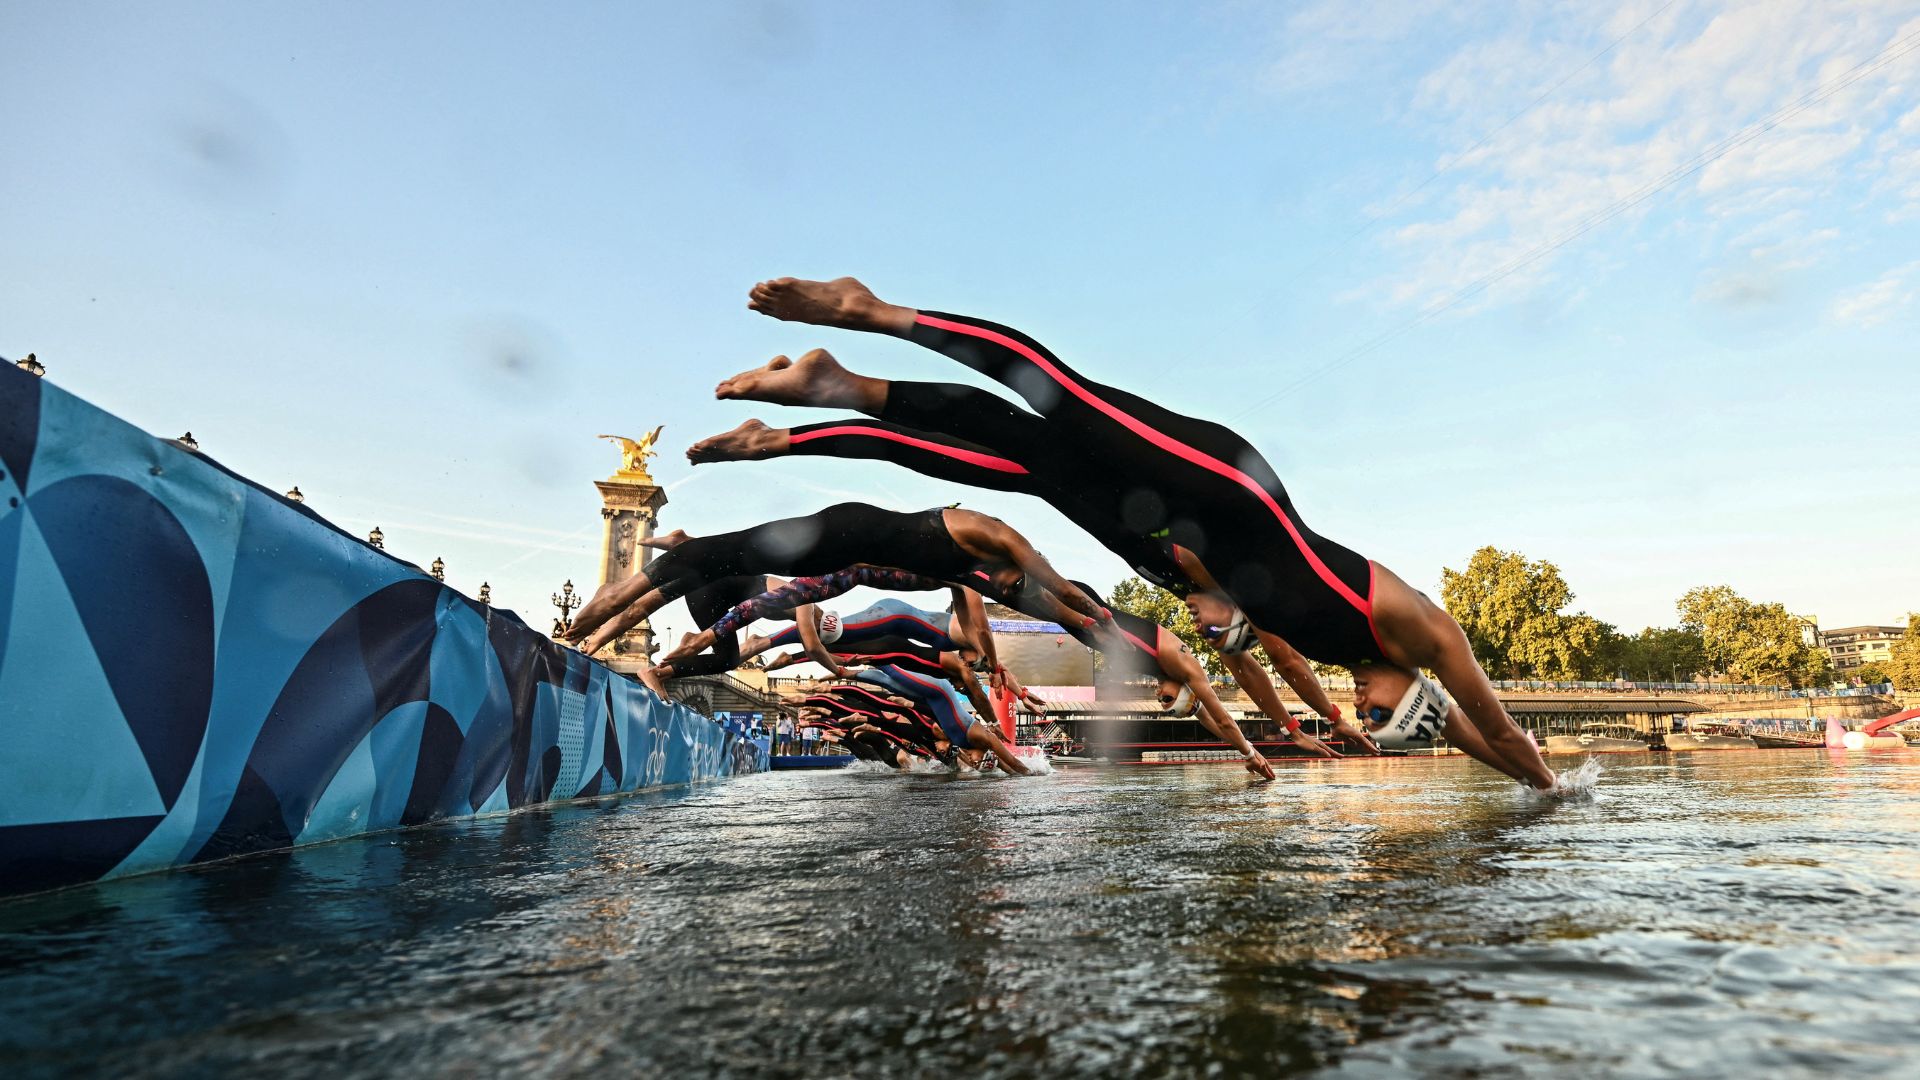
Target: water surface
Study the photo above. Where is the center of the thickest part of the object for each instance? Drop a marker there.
(1738, 913)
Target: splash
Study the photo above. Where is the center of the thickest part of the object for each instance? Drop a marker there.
(1578, 783)
(1039, 762)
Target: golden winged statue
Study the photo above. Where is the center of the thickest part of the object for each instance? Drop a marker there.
(634, 454)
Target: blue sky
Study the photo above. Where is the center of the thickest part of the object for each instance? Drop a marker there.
(1630, 287)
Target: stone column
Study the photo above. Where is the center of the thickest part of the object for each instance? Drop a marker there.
(631, 509)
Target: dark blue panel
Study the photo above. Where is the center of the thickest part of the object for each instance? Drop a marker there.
(64, 852)
(255, 821)
(10, 528)
(489, 748)
(19, 422)
(396, 639)
(143, 595)
(440, 741)
(610, 744)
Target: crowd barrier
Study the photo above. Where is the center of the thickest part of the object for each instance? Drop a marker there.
(193, 667)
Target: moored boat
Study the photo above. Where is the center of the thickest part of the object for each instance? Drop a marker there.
(1598, 738)
(1712, 737)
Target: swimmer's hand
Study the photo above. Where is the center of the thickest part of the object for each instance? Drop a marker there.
(1258, 765)
(1345, 729)
(1305, 741)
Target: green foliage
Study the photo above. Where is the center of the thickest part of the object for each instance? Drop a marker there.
(1872, 673)
(1511, 610)
(1904, 667)
(1753, 642)
(1659, 654)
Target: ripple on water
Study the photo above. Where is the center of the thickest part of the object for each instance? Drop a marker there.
(1700, 915)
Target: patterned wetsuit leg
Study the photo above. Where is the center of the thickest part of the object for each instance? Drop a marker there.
(1199, 481)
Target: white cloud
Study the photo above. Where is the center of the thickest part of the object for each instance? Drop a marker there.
(1877, 301)
(1665, 121)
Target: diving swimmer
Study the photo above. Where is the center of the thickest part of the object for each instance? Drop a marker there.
(943, 544)
(1161, 476)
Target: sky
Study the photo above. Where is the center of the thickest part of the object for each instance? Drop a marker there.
(1629, 287)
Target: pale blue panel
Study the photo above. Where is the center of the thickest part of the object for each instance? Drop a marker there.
(69, 754)
(396, 750)
(347, 805)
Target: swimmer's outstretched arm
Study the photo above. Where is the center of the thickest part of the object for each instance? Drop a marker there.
(985, 738)
(1246, 670)
(1460, 732)
(1184, 667)
(1299, 674)
(958, 671)
(1418, 633)
(970, 616)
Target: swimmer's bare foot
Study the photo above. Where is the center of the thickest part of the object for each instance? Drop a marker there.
(755, 645)
(750, 441)
(842, 302)
(665, 541)
(814, 379)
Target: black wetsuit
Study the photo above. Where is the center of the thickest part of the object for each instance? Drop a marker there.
(706, 604)
(944, 457)
(1139, 478)
(819, 543)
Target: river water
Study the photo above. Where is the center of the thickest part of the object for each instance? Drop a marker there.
(1723, 914)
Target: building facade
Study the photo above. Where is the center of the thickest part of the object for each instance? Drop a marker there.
(1852, 646)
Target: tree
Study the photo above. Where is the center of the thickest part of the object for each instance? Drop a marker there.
(1511, 610)
(1753, 642)
(1872, 674)
(1659, 653)
(1904, 666)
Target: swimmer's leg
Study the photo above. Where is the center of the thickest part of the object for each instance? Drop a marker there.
(928, 453)
(609, 600)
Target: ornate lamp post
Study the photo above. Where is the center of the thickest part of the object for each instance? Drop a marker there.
(438, 569)
(486, 593)
(30, 364)
(293, 493)
(377, 538)
(568, 603)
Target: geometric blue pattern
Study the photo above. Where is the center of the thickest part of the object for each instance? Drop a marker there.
(193, 667)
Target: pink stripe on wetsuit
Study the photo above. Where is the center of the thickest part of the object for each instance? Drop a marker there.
(1312, 591)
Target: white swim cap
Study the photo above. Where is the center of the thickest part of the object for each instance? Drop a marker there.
(1236, 637)
(1417, 720)
(1183, 703)
(829, 627)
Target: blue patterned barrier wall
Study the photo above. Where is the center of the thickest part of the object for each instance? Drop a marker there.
(193, 667)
